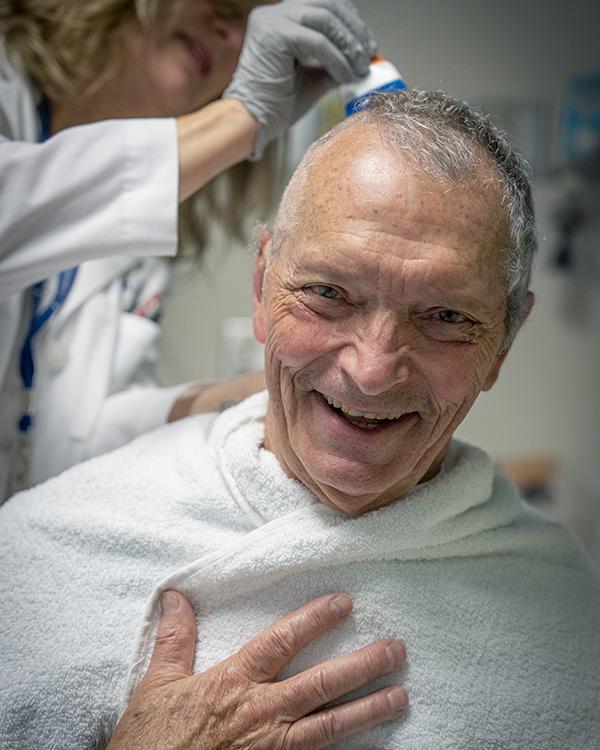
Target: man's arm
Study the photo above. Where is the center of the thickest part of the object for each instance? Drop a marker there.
(239, 703)
(216, 396)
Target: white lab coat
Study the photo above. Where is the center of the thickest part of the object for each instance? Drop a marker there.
(102, 197)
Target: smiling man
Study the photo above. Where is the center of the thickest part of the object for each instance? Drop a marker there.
(387, 296)
(383, 307)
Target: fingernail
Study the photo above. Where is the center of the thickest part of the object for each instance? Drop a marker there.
(396, 653)
(397, 698)
(169, 602)
(341, 605)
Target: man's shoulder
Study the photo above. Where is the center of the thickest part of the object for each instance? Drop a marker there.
(157, 469)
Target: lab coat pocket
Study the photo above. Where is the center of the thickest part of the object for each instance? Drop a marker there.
(136, 352)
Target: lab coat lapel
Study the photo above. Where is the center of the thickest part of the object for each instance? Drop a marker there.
(92, 277)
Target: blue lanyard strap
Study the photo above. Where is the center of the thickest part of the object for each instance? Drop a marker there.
(45, 119)
(38, 321)
(40, 318)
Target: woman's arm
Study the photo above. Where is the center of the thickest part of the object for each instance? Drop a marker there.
(92, 191)
(211, 140)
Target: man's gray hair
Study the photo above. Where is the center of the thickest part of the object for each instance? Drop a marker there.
(446, 139)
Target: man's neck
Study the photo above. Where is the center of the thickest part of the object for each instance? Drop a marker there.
(331, 496)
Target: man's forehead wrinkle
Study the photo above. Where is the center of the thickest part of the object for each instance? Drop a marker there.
(325, 256)
(361, 191)
(379, 237)
(395, 204)
(392, 280)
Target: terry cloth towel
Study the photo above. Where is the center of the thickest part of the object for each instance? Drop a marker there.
(498, 607)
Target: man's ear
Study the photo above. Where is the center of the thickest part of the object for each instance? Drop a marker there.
(259, 318)
(492, 375)
(495, 371)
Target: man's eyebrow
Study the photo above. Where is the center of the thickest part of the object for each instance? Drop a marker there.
(458, 296)
(320, 269)
(325, 266)
(335, 270)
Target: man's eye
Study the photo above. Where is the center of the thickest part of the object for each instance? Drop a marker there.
(322, 290)
(451, 316)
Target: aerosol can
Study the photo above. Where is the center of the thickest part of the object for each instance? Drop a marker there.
(382, 76)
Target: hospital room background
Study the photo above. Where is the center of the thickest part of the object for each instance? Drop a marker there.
(535, 66)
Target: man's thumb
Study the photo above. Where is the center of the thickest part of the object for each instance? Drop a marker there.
(173, 654)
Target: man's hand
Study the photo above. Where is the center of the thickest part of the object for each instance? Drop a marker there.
(240, 705)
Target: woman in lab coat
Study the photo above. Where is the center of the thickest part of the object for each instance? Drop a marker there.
(109, 117)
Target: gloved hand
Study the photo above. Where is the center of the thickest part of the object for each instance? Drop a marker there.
(293, 52)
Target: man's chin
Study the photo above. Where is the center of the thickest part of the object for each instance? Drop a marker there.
(356, 497)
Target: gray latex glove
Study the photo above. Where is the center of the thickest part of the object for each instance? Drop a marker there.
(293, 52)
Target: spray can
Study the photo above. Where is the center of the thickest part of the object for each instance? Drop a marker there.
(382, 76)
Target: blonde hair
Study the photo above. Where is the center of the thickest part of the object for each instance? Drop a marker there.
(67, 47)
(233, 202)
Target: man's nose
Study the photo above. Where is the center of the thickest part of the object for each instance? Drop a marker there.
(379, 355)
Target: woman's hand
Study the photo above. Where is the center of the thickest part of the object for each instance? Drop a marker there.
(240, 705)
(293, 52)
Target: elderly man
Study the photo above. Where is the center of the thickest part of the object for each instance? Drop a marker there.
(387, 297)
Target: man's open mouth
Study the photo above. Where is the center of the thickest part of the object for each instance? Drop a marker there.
(364, 420)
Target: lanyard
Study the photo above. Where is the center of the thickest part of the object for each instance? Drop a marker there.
(40, 317)
(45, 119)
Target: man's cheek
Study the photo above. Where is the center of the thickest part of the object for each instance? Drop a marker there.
(453, 401)
(461, 375)
(291, 347)
(450, 390)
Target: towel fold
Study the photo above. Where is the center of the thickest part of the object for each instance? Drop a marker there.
(498, 607)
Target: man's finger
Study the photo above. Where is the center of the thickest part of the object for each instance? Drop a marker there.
(173, 654)
(262, 658)
(323, 728)
(308, 691)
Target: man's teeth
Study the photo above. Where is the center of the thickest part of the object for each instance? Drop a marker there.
(364, 415)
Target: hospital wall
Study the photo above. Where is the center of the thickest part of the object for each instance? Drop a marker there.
(514, 59)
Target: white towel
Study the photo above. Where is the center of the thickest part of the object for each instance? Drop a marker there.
(499, 609)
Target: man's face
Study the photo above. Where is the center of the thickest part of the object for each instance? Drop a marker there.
(382, 315)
